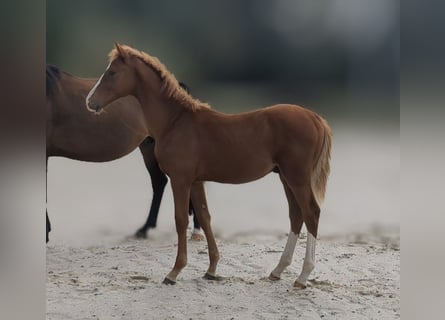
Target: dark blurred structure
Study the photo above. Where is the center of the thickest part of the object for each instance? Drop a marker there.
(338, 57)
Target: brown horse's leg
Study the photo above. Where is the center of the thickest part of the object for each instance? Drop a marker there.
(202, 213)
(196, 232)
(296, 222)
(158, 182)
(311, 213)
(48, 223)
(181, 196)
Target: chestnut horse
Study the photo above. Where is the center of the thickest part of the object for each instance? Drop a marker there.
(195, 143)
(75, 133)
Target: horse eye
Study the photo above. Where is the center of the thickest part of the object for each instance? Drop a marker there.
(112, 73)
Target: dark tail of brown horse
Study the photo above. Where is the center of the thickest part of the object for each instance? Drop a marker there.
(322, 168)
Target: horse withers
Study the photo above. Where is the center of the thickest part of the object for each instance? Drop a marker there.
(75, 133)
(195, 143)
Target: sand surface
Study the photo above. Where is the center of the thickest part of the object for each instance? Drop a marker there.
(354, 279)
(96, 271)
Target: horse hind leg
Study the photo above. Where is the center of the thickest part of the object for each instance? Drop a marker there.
(196, 232)
(296, 223)
(311, 214)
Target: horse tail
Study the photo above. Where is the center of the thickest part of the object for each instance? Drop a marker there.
(321, 169)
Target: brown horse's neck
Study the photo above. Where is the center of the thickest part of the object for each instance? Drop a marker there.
(160, 111)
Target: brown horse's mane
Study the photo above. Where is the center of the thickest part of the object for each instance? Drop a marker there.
(170, 86)
(52, 76)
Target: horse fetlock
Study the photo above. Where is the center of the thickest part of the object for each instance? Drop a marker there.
(181, 264)
(197, 236)
(286, 261)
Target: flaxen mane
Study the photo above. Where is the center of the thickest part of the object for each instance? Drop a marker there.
(170, 85)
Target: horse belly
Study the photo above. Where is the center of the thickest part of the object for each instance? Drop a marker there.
(95, 147)
(237, 170)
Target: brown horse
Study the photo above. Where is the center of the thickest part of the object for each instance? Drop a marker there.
(195, 143)
(75, 133)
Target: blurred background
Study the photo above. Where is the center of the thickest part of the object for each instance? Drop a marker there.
(339, 58)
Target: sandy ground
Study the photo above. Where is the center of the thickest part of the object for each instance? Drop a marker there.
(352, 280)
(96, 271)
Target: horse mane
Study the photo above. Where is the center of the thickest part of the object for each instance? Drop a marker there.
(170, 86)
(52, 76)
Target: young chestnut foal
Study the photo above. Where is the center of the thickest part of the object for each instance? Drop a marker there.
(195, 143)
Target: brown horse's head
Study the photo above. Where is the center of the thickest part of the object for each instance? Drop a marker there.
(118, 80)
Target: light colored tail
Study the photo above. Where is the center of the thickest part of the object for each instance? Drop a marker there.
(322, 168)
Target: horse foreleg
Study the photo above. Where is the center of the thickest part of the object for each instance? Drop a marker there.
(181, 196)
(158, 182)
(48, 224)
(202, 213)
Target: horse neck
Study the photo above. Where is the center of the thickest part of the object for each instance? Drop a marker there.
(159, 110)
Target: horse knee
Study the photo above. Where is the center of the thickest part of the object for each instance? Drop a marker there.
(181, 222)
(162, 180)
(159, 181)
(311, 219)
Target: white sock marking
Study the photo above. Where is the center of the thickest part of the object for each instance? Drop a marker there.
(309, 259)
(286, 256)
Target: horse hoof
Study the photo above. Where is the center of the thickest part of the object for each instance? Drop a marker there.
(298, 285)
(141, 234)
(273, 277)
(197, 237)
(169, 282)
(208, 276)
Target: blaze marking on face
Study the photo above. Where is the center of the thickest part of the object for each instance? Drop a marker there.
(90, 94)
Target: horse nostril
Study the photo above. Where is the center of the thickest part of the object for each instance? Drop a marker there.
(93, 106)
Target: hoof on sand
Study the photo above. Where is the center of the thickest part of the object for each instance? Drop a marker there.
(208, 276)
(197, 237)
(298, 285)
(169, 282)
(140, 234)
(273, 277)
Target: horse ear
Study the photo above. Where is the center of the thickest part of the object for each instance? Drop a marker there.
(121, 51)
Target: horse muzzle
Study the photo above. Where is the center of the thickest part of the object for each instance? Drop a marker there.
(94, 107)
